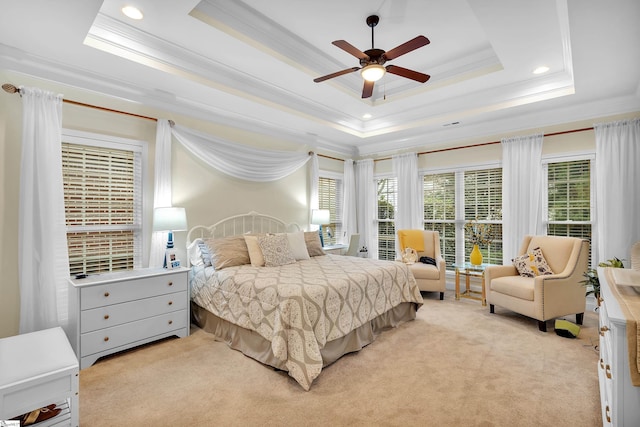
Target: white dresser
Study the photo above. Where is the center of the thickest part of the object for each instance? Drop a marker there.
(620, 400)
(116, 311)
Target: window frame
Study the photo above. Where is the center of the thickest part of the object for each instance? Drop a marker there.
(99, 140)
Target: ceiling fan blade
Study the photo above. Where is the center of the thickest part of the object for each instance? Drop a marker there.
(367, 89)
(349, 48)
(336, 74)
(407, 47)
(410, 74)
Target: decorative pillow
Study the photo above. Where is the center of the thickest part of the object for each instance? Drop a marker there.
(298, 245)
(276, 250)
(314, 247)
(255, 253)
(205, 255)
(532, 264)
(524, 265)
(194, 254)
(541, 262)
(228, 252)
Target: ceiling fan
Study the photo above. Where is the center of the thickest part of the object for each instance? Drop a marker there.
(372, 60)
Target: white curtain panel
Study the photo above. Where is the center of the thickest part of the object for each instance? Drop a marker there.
(349, 212)
(617, 183)
(314, 201)
(521, 191)
(409, 214)
(239, 160)
(43, 260)
(162, 189)
(367, 206)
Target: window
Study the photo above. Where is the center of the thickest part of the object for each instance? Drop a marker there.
(103, 203)
(483, 202)
(440, 211)
(451, 199)
(330, 197)
(387, 204)
(569, 199)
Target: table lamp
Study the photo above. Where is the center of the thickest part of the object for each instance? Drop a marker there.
(320, 217)
(169, 219)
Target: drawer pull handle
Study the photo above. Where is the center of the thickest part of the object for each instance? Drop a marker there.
(170, 302)
(607, 371)
(601, 364)
(106, 317)
(170, 322)
(603, 330)
(606, 411)
(106, 294)
(170, 283)
(600, 299)
(106, 339)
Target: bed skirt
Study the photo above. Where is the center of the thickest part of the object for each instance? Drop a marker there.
(255, 346)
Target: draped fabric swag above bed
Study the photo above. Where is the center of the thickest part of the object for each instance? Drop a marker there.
(237, 160)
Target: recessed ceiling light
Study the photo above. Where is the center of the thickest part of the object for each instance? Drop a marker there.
(541, 70)
(366, 116)
(132, 12)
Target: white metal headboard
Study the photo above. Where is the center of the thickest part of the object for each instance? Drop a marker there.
(252, 222)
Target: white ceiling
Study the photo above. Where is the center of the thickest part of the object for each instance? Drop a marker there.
(251, 63)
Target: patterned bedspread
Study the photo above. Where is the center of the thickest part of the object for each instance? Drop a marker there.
(300, 307)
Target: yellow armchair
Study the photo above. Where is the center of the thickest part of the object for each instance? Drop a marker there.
(430, 278)
(543, 297)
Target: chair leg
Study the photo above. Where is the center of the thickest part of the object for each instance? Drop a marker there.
(441, 296)
(579, 318)
(492, 308)
(542, 325)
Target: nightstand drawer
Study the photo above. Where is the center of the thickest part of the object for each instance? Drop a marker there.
(128, 290)
(114, 315)
(106, 339)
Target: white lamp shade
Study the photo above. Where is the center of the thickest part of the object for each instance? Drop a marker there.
(169, 219)
(373, 72)
(320, 216)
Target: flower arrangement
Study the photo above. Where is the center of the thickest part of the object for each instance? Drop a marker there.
(478, 233)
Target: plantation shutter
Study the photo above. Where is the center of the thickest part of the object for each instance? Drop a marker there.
(103, 207)
(483, 201)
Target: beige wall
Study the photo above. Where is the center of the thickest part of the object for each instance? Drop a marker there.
(207, 195)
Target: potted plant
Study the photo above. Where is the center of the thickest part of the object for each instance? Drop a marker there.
(591, 280)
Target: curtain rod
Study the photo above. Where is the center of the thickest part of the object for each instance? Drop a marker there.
(9, 88)
(487, 143)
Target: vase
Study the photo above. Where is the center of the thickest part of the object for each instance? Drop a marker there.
(476, 256)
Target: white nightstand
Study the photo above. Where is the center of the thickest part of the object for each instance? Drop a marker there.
(38, 369)
(116, 311)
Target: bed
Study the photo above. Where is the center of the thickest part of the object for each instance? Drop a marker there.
(297, 315)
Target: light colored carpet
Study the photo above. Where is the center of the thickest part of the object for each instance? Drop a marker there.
(455, 365)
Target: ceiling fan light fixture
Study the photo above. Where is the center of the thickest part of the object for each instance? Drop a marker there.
(373, 72)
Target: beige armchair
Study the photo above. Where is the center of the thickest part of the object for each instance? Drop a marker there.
(430, 278)
(543, 297)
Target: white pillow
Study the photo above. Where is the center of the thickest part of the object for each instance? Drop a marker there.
(298, 245)
(255, 253)
(194, 254)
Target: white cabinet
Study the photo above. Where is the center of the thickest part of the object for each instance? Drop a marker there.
(38, 369)
(116, 311)
(620, 400)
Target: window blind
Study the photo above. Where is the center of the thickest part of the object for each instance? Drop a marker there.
(330, 197)
(387, 203)
(440, 211)
(103, 207)
(483, 202)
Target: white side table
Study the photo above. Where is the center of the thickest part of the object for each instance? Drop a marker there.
(38, 369)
